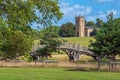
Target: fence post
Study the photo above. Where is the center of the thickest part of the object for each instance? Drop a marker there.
(68, 45)
(38, 46)
(79, 47)
(73, 45)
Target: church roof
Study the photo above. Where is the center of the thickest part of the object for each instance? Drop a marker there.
(89, 27)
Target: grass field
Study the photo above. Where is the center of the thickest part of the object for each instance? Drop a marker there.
(84, 41)
(54, 74)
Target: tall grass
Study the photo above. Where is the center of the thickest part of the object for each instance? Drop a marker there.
(65, 64)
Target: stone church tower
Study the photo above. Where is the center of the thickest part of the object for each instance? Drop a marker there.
(80, 26)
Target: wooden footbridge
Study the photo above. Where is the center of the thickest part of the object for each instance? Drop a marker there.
(72, 50)
(75, 50)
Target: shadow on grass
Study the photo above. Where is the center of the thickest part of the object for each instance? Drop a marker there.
(82, 69)
(91, 70)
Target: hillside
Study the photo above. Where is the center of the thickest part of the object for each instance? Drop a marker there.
(84, 41)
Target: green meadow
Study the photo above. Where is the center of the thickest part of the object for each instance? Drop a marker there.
(84, 41)
(54, 74)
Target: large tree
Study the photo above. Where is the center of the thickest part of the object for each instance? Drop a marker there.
(90, 23)
(97, 26)
(16, 19)
(67, 30)
(14, 44)
(55, 29)
(107, 39)
(99, 23)
(19, 14)
(51, 41)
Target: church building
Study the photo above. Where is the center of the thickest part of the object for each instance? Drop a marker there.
(81, 29)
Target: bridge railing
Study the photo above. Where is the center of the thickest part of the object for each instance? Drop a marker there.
(37, 46)
(65, 45)
(75, 47)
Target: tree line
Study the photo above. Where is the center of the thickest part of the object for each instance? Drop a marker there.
(106, 35)
(16, 34)
(107, 40)
(16, 20)
(68, 29)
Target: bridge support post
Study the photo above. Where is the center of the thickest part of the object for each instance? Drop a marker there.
(74, 51)
(76, 56)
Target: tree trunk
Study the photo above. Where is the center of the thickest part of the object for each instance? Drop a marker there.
(46, 57)
(99, 62)
(71, 58)
(95, 58)
(113, 60)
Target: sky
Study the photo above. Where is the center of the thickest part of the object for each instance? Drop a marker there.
(90, 9)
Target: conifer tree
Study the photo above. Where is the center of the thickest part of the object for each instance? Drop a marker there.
(107, 39)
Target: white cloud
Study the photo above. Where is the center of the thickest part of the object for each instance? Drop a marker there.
(70, 11)
(103, 1)
(64, 4)
(93, 18)
(101, 15)
(74, 10)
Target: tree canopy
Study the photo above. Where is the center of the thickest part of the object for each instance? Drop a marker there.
(90, 23)
(99, 23)
(108, 38)
(67, 30)
(51, 40)
(15, 44)
(16, 19)
(22, 13)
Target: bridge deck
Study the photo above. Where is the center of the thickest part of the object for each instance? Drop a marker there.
(70, 49)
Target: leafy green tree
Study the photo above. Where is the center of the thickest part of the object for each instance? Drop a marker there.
(35, 34)
(90, 23)
(94, 32)
(3, 31)
(51, 41)
(107, 39)
(15, 44)
(99, 23)
(97, 26)
(21, 14)
(17, 17)
(67, 30)
(55, 29)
